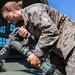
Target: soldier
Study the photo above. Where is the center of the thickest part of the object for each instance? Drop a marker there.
(53, 31)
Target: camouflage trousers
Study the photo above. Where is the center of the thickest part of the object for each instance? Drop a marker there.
(67, 66)
(70, 66)
(58, 62)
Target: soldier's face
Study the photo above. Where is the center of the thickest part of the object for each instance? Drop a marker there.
(10, 16)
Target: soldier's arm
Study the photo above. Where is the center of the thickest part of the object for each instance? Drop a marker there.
(49, 32)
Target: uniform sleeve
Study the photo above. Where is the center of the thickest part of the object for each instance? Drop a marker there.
(49, 32)
(5, 50)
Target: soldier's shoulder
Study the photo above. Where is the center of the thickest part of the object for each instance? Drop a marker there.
(36, 6)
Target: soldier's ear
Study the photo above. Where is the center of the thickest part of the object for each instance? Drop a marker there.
(11, 10)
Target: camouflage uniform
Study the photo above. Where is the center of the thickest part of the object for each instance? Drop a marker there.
(53, 31)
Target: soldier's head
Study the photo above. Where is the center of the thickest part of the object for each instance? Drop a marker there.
(11, 12)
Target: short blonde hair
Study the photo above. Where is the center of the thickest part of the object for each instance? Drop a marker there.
(11, 4)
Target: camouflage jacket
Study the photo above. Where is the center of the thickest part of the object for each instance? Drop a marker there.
(52, 30)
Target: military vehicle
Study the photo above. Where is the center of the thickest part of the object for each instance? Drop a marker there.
(15, 63)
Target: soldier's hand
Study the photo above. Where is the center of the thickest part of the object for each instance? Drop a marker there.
(34, 60)
(23, 32)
